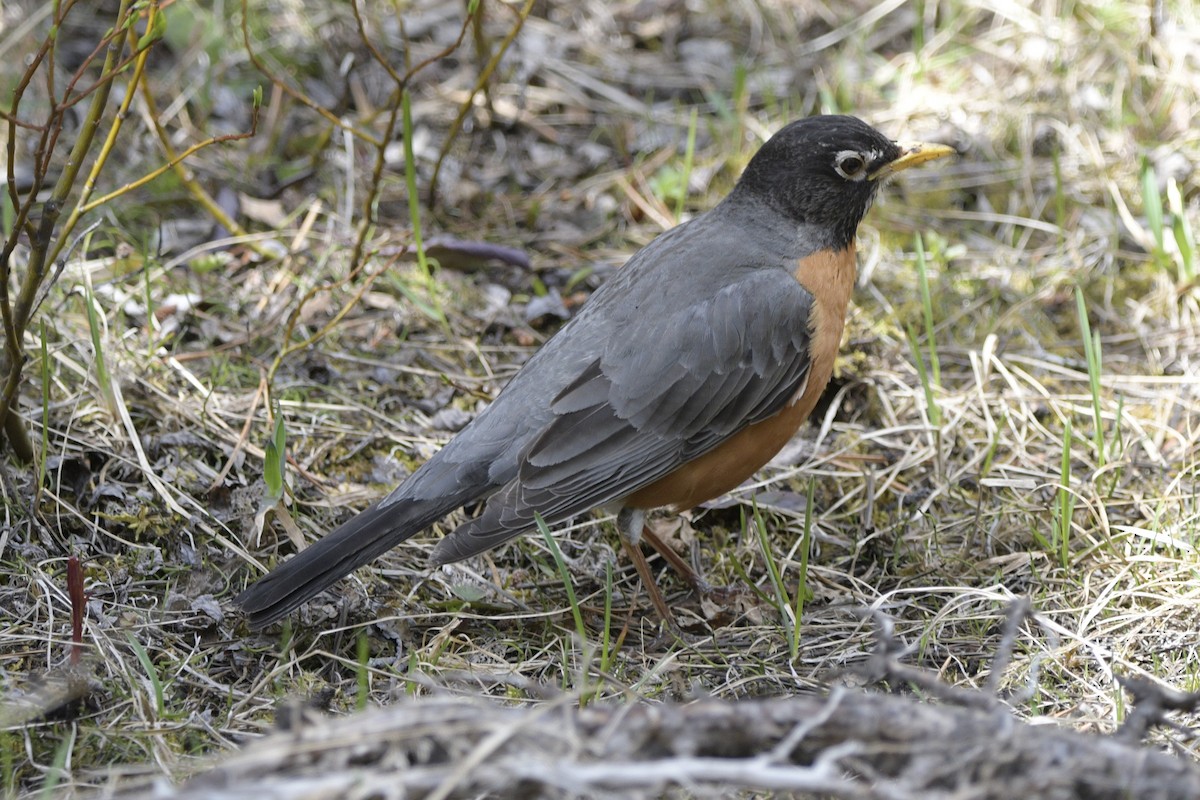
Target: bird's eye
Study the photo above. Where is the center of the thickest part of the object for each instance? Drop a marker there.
(850, 165)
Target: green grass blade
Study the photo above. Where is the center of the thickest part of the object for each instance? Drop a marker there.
(362, 672)
(58, 765)
(565, 576)
(274, 461)
(605, 644)
(689, 154)
(1152, 206)
(46, 379)
(993, 445)
(1066, 500)
(782, 601)
(805, 549)
(95, 329)
(414, 211)
(935, 413)
(1185, 239)
(935, 367)
(151, 672)
(1091, 349)
(1060, 200)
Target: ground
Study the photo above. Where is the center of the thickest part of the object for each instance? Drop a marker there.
(1015, 412)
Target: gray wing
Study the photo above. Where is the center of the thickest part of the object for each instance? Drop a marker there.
(663, 392)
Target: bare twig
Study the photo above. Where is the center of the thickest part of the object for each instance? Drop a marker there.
(465, 108)
(1018, 611)
(1151, 701)
(853, 746)
(884, 665)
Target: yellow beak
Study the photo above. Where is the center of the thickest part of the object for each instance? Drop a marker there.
(911, 155)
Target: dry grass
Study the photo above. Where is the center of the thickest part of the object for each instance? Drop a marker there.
(935, 514)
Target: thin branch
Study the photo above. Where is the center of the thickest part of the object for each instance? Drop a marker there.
(299, 96)
(465, 108)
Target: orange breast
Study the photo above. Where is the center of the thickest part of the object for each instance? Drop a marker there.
(829, 278)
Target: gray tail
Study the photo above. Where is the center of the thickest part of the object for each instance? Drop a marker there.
(360, 540)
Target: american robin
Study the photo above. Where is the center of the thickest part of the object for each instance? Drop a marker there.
(680, 377)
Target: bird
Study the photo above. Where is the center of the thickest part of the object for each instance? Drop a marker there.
(681, 376)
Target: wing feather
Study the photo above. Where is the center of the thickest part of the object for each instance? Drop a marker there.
(651, 402)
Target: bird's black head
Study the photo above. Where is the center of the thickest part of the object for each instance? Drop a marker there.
(825, 171)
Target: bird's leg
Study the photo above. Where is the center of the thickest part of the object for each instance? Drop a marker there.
(700, 586)
(694, 579)
(630, 524)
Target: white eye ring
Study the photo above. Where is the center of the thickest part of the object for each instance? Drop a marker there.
(851, 165)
